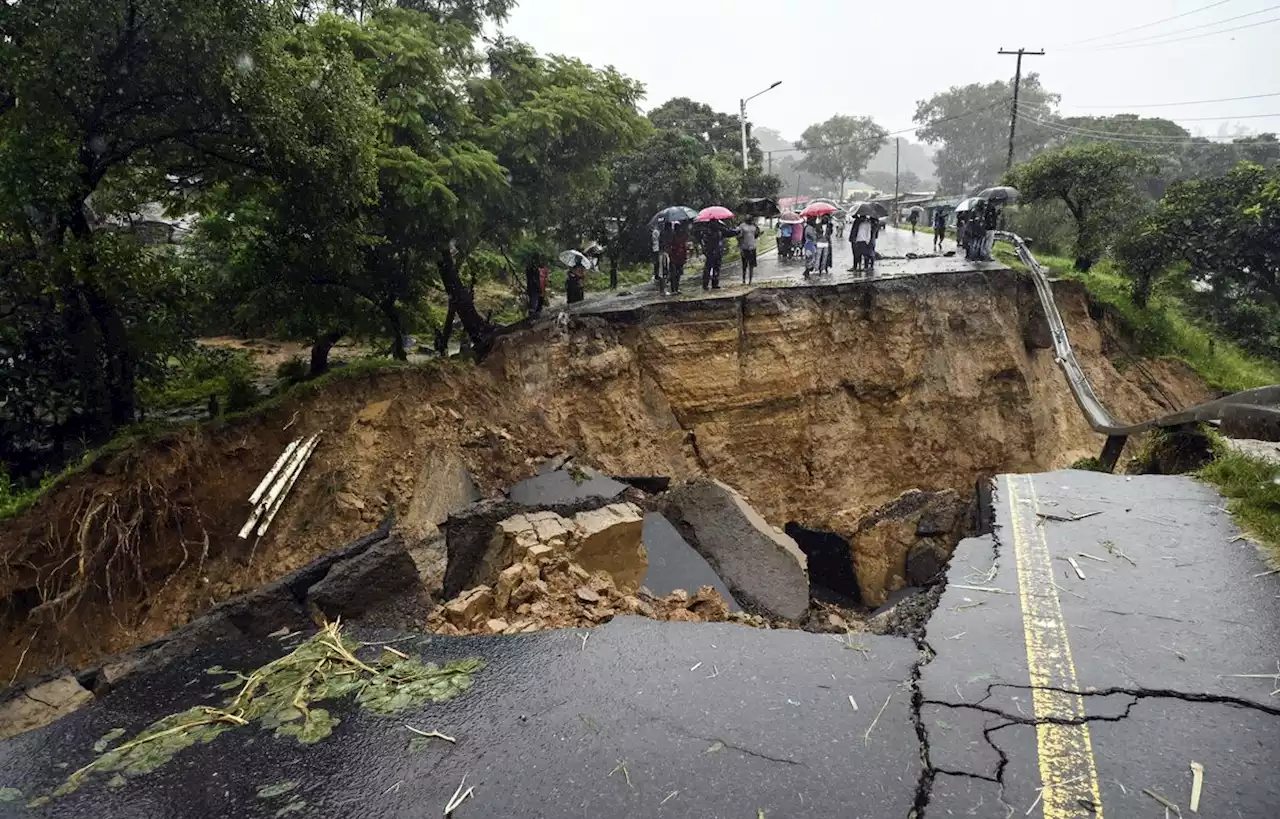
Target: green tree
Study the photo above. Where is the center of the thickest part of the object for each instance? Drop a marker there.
(971, 124)
(885, 181)
(720, 133)
(164, 98)
(1095, 181)
(837, 150)
(669, 168)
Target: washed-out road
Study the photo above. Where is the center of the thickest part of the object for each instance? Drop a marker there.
(1109, 633)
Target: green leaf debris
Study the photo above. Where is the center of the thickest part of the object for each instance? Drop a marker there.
(280, 697)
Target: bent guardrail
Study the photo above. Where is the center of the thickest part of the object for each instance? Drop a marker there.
(1260, 402)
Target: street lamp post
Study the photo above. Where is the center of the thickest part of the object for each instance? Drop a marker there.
(742, 115)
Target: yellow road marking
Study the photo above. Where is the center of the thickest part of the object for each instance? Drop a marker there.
(1068, 773)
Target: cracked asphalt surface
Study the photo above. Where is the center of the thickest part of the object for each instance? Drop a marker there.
(970, 719)
(1171, 605)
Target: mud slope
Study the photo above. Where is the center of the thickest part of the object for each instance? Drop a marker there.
(820, 404)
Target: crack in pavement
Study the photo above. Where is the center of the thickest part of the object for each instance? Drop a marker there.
(1113, 691)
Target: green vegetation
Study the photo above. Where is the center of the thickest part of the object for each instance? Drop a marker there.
(1252, 488)
(1094, 181)
(1163, 327)
(335, 192)
(281, 696)
(837, 150)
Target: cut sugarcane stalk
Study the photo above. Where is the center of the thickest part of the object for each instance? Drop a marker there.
(287, 483)
(264, 505)
(275, 470)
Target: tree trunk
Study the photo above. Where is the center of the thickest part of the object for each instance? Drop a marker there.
(119, 377)
(320, 351)
(1142, 289)
(396, 328)
(445, 334)
(613, 271)
(463, 303)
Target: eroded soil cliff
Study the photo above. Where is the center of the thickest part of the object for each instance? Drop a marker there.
(819, 404)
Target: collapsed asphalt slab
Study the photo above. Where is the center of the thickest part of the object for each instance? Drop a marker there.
(1171, 605)
(639, 719)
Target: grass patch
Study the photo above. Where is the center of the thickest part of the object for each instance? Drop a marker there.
(1162, 328)
(1252, 488)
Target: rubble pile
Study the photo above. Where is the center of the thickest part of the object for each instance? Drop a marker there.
(570, 573)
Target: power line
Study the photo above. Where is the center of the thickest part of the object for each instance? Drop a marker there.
(1192, 37)
(1137, 139)
(961, 115)
(1147, 25)
(1178, 31)
(1188, 102)
(1238, 116)
(1083, 131)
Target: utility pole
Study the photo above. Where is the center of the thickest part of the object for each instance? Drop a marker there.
(1017, 81)
(897, 154)
(770, 163)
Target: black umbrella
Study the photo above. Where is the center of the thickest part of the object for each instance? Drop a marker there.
(676, 213)
(868, 209)
(1002, 195)
(759, 207)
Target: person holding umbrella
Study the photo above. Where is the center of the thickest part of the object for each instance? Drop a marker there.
(676, 236)
(913, 216)
(748, 234)
(714, 233)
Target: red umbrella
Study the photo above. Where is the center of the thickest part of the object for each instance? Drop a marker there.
(791, 219)
(818, 209)
(714, 212)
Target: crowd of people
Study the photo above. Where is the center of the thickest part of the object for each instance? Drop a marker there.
(810, 239)
(672, 240)
(976, 230)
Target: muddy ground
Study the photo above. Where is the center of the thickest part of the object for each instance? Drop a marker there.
(820, 405)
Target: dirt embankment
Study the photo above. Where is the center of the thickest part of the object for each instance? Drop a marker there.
(819, 404)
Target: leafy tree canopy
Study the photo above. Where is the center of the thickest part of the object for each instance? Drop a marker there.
(720, 134)
(971, 124)
(838, 149)
(1096, 183)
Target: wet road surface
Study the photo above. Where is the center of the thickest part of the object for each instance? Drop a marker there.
(709, 720)
(1032, 692)
(1110, 684)
(894, 244)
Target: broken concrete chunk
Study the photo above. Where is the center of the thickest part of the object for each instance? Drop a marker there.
(471, 608)
(356, 585)
(529, 591)
(497, 625)
(612, 540)
(552, 529)
(883, 540)
(539, 553)
(508, 580)
(762, 566)
(587, 595)
(925, 560)
(41, 705)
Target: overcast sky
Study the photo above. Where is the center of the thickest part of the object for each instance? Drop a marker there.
(879, 58)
